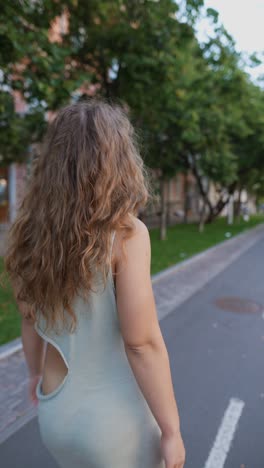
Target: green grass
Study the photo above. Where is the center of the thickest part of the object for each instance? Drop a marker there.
(185, 240)
(9, 317)
(182, 242)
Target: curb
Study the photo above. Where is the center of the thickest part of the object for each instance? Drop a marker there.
(10, 348)
(173, 268)
(16, 345)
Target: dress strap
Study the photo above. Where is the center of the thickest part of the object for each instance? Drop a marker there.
(110, 270)
(112, 242)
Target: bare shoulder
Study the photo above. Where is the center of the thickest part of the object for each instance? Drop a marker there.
(140, 228)
(134, 294)
(138, 242)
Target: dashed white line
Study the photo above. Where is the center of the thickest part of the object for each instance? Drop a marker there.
(225, 434)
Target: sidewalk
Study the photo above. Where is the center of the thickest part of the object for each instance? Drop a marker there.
(172, 287)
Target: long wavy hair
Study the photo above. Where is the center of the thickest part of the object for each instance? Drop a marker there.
(88, 178)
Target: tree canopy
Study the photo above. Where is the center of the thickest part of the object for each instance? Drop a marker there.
(193, 104)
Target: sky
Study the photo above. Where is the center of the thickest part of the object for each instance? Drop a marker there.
(244, 20)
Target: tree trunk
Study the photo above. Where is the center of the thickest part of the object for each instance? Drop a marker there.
(202, 217)
(186, 199)
(230, 215)
(202, 189)
(163, 216)
(217, 210)
(214, 211)
(237, 211)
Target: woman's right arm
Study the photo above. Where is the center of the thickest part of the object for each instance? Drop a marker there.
(144, 344)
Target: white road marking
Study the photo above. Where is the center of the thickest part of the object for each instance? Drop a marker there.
(226, 432)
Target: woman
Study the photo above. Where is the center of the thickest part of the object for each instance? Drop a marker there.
(79, 261)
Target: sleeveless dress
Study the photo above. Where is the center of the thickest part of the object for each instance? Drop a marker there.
(97, 417)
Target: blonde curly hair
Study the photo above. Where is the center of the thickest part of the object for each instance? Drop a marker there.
(86, 181)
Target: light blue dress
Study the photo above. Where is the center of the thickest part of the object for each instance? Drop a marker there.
(97, 417)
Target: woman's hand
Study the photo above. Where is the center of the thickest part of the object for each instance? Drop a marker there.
(33, 380)
(173, 450)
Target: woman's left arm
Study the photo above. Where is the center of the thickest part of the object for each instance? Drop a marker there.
(34, 350)
(33, 345)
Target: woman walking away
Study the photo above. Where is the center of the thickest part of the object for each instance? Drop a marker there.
(79, 262)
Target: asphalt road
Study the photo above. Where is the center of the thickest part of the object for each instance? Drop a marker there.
(217, 360)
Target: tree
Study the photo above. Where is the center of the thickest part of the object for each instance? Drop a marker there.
(17, 132)
(193, 105)
(33, 66)
(221, 100)
(136, 52)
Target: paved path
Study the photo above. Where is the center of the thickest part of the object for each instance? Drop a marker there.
(15, 406)
(177, 284)
(218, 355)
(215, 355)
